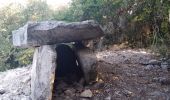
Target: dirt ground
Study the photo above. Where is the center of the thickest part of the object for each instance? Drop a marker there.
(122, 75)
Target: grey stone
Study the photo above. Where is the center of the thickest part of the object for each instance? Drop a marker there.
(13, 86)
(108, 98)
(88, 61)
(86, 93)
(26, 91)
(154, 62)
(164, 65)
(70, 92)
(162, 80)
(156, 93)
(149, 67)
(128, 93)
(27, 79)
(43, 73)
(2, 91)
(52, 32)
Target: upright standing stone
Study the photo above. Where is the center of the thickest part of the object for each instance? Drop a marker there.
(88, 62)
(52, 32)
(43, 73)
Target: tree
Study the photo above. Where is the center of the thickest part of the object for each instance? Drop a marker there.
(11, 18)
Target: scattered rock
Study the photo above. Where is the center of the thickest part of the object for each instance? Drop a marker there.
(27, 79)
(98, 85)
(165, 82)
(13, 82)
(27, 91)
(164, 65)
(108, 98)
(154, 62)
(156, 93)
(117, 93)
(79, 87)
(12, 86)
(86, 94)
(128, 93)
(2, 91)
(149, 67)
(70, 92)
(162, 80)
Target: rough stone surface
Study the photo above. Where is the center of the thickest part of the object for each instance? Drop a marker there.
(43, 73)
(88, 61)
(52, 32)
(86, 93)
(118, 81)
(13, 85)
(154, 62)
(164, 65)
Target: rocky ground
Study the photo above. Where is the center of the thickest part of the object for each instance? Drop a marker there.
(15, 84)
(122, 75)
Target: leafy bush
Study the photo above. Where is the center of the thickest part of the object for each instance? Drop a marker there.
(140, 23)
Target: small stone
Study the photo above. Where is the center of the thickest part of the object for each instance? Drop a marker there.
(166, 90)
(27, 79)
(98, 85)
(86, 94)
(168, 60)
(155, 79)
(2, 91)
(164, 66)
(26, 91)
(162, 80)
(79, 88)
(165, 82)
(154, 62)
(128, 93)
(156, 66)
(108, 98)
(118, 93)
(70, 92)
(156, 93)
(149, 67)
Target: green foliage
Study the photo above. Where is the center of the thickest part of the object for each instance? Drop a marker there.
(140, 23)
(11, 18)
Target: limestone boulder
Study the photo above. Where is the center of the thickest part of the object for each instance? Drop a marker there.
(35, 34)
(88, 62)
(43, 72)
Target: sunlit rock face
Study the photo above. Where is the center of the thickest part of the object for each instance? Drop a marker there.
(43, 72)
(15, 84)
(52, 32)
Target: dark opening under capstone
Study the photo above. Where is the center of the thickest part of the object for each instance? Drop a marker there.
(68, 67)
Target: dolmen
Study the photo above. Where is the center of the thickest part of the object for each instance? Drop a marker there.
(45, 36)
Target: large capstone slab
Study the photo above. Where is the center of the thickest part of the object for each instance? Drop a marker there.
(35, 34)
